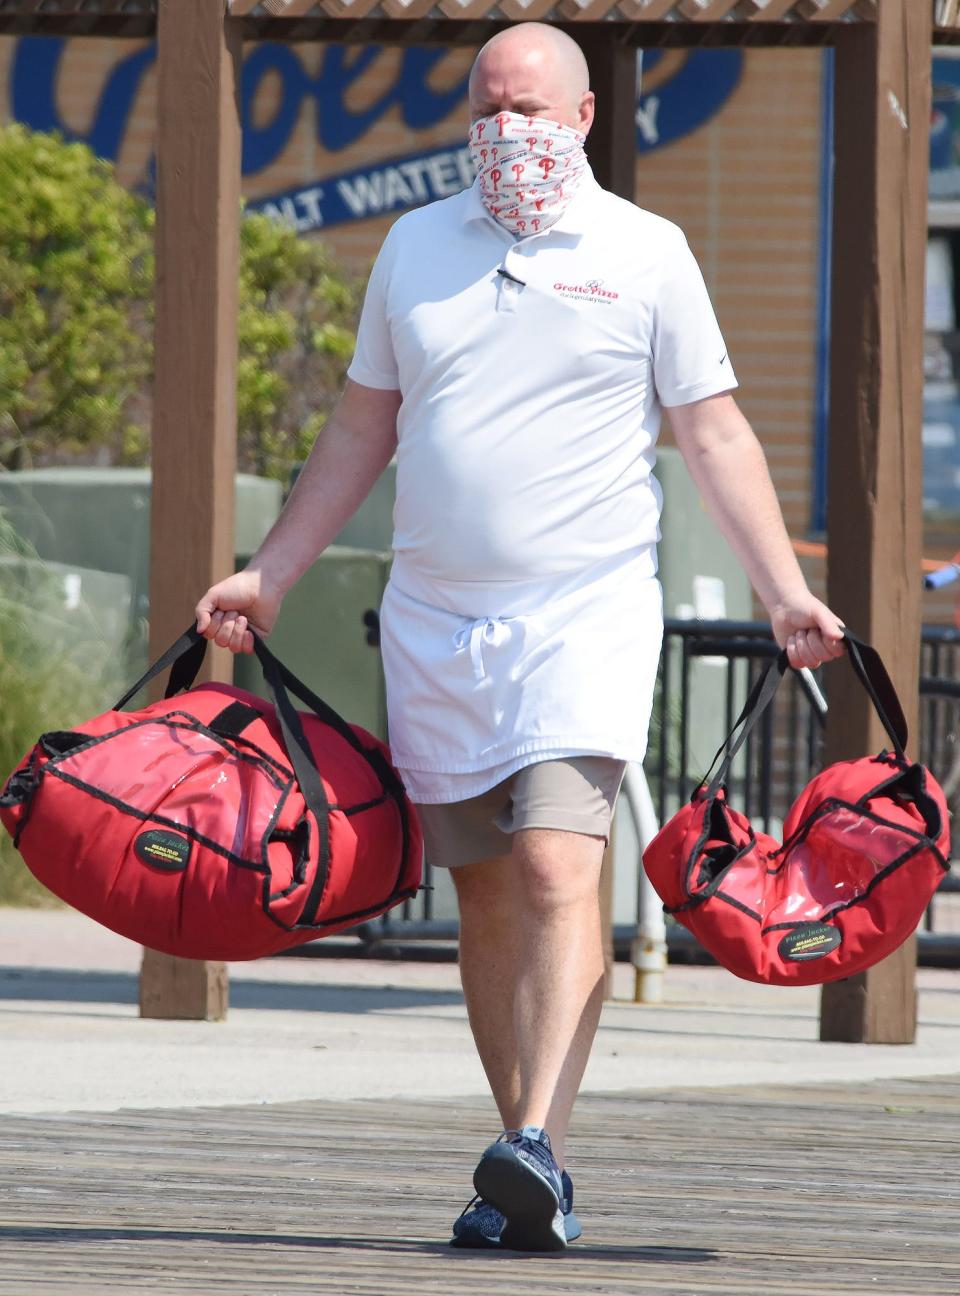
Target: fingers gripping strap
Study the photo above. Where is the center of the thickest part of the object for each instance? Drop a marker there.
(869, 670)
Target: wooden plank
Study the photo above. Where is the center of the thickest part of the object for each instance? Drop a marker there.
(827, 10)
(874, 522)
(947, 13)
(706, 10)
(584, 10)
(646, 10)
(194, 422)
(788, 1191)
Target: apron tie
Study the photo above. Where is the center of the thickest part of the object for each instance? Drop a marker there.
(485, 630)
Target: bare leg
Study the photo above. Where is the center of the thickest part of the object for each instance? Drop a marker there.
(560, 984)
(490, 941)
(532, 969)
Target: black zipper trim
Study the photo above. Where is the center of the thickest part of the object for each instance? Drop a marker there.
(905, 858)
(395, 896)
(144, 817)
(835, 803)
(716, 801)
(279, 776)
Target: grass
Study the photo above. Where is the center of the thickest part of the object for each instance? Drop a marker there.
(55, 671)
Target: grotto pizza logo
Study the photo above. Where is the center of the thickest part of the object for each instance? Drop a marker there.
(594, 291)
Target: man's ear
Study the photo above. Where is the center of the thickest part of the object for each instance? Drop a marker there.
(587, 107)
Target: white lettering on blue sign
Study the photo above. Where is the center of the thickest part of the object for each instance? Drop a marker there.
(390, 186)
(648, 110)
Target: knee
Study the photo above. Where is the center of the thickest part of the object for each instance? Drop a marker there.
(557, 870)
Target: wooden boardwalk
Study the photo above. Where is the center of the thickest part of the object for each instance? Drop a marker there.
(799, 1191)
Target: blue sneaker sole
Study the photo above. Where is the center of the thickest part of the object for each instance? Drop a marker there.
(526, 1201)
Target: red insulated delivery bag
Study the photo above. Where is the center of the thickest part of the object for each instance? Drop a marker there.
(213, 825)
(865, 846)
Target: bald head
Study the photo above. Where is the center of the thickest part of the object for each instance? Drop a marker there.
(534, 69)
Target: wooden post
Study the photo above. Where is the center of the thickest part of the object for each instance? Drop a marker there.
(194, 421)
(882, 115)
(612, 143)
(612, 150)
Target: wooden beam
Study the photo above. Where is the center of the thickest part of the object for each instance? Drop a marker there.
(882, 115)
(194, 419)
(612, 149)
(612, 144)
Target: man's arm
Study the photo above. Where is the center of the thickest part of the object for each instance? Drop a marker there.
(351, 452)
(725, 459)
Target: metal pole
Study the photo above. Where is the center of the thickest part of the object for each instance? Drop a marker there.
(648, 952)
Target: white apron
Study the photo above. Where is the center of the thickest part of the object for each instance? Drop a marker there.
(478, 688)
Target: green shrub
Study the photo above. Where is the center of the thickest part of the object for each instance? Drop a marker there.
(76, 326)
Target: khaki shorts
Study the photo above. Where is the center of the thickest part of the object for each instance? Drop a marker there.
(574, 794)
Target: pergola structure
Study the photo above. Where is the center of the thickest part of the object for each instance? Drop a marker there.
(881, 130)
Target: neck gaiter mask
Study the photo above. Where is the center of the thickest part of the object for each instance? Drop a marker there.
(528, 168)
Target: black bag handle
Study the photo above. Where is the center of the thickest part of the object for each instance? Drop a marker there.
(185, 657)
(869, 670)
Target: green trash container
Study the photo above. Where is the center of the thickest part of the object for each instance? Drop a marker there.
(99, 518)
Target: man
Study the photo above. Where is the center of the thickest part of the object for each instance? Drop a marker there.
(517, 343)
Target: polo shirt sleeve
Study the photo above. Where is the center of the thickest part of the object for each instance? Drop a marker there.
(374, 363)
(690, 360)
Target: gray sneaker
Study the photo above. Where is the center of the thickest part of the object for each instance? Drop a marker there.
(519, 1177)
(479, 1225)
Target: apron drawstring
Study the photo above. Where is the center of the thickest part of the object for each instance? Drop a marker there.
(485, 630)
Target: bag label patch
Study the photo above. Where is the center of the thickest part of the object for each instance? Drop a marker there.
(163, 849)
(810, 942)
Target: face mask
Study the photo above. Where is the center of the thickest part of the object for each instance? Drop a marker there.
(529, 169)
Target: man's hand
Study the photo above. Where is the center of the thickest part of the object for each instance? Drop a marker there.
(231, 611)
(808, 630)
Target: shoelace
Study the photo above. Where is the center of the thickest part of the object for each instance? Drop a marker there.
(470, 1204)
(540, 1151)
(475, 1202)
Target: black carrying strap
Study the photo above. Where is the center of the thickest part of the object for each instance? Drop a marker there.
(294, 739)
(185, 657)
(869, 670)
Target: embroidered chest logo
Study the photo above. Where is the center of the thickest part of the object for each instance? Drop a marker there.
(594, 291)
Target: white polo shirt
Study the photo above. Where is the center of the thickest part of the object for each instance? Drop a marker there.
(532, 373)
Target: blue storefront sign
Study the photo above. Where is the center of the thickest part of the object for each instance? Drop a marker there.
(694, 93)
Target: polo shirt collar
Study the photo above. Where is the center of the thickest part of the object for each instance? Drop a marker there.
(573, 220)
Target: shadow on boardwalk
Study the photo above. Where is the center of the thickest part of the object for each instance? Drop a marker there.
(806, 1191)
(62, 985)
